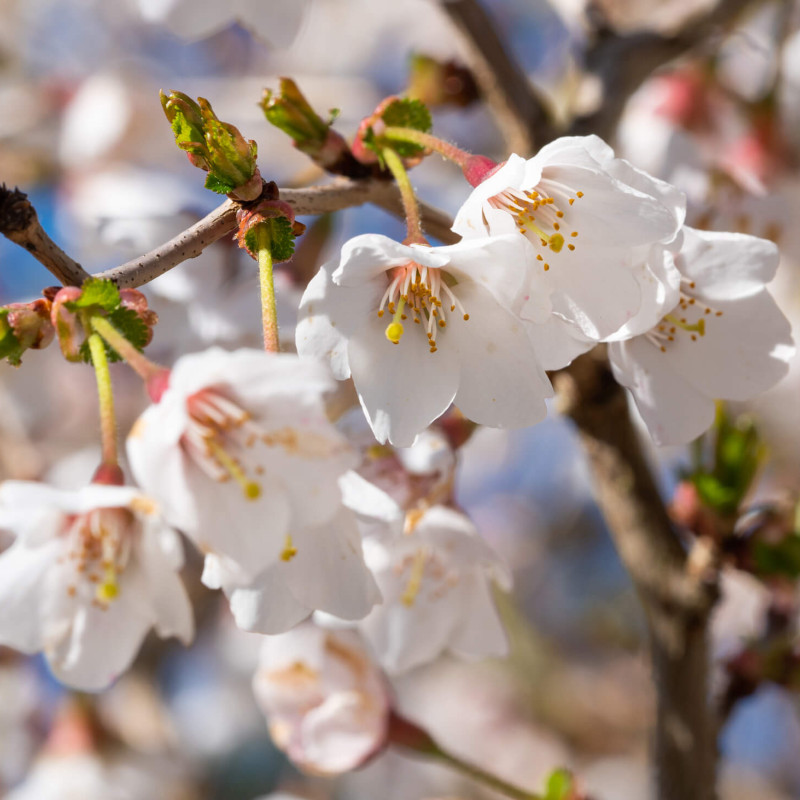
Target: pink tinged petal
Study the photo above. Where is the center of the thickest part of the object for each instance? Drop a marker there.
(329, 314)
(673, 410)
(24, 583)
(598, 295)
(253, 376)
(341, 733)
(481, 633)
(726, 266)
(407, 636)
(102, 642)
(469, 221)
(367, 500)
(368, 256)
(557, 342)
(501, 382)
(402, 387)
(328, 572)
(170, 606)
(742, 353)
(268, 605)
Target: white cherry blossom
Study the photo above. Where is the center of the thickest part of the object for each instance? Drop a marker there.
(724, 337)
(588, 216)
(323, 570)
(436, 576)
(89, 573)
(240, 454)
(326, 701)
(419, 327)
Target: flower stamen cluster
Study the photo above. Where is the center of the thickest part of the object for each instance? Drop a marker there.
(217, 430)
(417, 289)
(539, 216)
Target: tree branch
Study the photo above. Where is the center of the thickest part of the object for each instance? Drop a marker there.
(521, 116)
(623, 63)
(20, 223)
(677, 603)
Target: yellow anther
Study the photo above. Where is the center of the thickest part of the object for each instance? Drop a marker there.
(697, 327)
(251, 489)
(415, 578)
(394, 330)
(289, 550)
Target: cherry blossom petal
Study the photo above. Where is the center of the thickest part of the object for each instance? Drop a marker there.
(329, 314)
(500, 383)
(481, 633)
(742, 353)
(673, 410)
(402, 387)
(367, 256)
(726, 266)
(23, 578)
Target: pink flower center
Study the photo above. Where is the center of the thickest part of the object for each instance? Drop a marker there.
(218, 433)
(100, 543)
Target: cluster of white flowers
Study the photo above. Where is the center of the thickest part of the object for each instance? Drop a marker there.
(560, 252)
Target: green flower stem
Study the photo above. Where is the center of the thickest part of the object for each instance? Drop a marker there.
(485, 778)
(429, 141)
(410, 205)
(269, 311)
(105, 394)
(137, 361)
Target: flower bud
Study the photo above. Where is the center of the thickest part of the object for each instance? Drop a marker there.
(289, 111)
(214, 146)
(441, 83)
(24, 326)
(135, 301)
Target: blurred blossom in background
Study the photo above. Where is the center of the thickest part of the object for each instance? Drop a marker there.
(83, 133)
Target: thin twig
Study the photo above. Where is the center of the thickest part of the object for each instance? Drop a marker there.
(521, 116)
(20, 223)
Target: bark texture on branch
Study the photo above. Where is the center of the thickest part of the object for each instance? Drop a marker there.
(20, 223)
(677, 603)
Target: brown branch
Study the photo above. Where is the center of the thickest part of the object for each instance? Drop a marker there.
(20, 223)
(623, 63)
(222, 222)
(521, 116)
(677, 602)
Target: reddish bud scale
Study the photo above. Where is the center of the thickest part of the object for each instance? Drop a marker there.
(134, 300)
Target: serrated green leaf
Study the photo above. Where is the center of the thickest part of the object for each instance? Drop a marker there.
(408, 113)
(130, 325)
(281, 238)
(96, 292)
(10, 347)
(216, 184)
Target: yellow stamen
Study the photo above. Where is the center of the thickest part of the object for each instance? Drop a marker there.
(394, 330)
(415, 578)
(699, 326)
(251, 489)
(289, 550)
